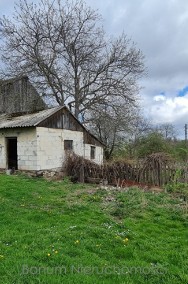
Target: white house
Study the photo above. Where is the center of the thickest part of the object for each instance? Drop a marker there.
(40, 140)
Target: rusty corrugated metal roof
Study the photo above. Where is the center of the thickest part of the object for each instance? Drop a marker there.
(26, 120)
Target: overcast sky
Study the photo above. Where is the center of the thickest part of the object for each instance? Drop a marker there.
(160, 30)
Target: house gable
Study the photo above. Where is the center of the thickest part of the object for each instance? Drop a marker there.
(61, 119)
(64, 119)
(18, 95)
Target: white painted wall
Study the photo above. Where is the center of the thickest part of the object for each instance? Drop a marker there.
(50, 146)
(43, 148)
(26, 147)
(98, 153)
(2, 151)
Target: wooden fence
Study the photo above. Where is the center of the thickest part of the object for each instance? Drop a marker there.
(158, 176)
(154, 171)
(164, 174)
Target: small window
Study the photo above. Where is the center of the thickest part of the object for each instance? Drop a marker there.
(92, 152)
(68, 144)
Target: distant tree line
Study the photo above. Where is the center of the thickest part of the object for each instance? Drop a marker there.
(149, 139)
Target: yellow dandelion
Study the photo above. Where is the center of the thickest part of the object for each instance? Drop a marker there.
(48, 254)
(77, 242)
(117, 237)
(56, 251)
(125, 240)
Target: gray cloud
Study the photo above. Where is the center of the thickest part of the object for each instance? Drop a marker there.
(159, 28)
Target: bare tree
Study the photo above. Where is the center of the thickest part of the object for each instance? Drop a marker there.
(65, 51)
(167, 130)
(139, 128)
(113, 125)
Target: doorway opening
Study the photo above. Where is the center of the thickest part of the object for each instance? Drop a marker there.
(12, 155)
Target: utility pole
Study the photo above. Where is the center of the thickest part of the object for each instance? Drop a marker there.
(186, 134)
(186, 139)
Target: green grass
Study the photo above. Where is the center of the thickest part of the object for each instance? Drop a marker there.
(59, 232)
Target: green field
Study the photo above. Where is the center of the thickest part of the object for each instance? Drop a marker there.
(59, 232)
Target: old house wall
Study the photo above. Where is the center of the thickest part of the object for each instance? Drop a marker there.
(19, 96)
(43, 148)
(62, 119)
(2, 151)
(50, 146)
(98, 153)
(26, 147)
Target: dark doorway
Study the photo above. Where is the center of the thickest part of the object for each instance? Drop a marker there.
(12, 158)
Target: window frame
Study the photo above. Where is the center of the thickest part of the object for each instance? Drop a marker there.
(92, 152)
(68, 145)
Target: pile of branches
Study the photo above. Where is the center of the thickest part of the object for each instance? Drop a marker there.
(118, 170)
(76, 166)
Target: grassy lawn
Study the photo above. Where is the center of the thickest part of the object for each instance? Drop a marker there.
(59, 232)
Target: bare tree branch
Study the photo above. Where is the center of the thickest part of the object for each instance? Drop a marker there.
(65, 51)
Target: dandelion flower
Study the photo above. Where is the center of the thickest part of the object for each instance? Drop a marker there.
(125, 240)
(56, 251)
(48, 254)
(117, 237)
(77, 242)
